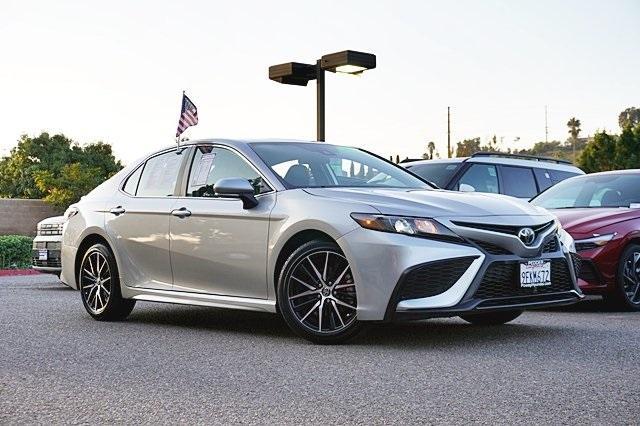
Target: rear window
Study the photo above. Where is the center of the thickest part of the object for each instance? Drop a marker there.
(559, 176)
(438, 173)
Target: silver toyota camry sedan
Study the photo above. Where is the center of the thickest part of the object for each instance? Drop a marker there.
(330, 237)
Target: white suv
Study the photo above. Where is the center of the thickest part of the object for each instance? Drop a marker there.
(519, 176)
(47, 244)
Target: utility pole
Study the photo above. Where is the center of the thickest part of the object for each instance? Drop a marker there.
(448, 132)
(319, 101)
(546, 127)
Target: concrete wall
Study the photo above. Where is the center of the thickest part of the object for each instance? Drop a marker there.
(20, 217)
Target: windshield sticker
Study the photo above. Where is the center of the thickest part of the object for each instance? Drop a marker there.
(492, 172)
(202, 171)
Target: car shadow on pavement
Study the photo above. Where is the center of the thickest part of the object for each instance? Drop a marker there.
(429, 333)
(438, 333)
(591, 304)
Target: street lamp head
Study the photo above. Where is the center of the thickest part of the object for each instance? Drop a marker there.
(292, 73)
(348, 61)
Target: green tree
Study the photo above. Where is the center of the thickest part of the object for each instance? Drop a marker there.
(467, 147)
(55, 168)
(600, 154)
(630, 117)
(574, 130)
(627, 153)
(30, 156)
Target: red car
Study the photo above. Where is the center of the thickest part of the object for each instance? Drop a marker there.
(601, 211)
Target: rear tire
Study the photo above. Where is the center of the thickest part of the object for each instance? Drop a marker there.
(626, 295)
(100, 286)
(317, 294)
(491, 318)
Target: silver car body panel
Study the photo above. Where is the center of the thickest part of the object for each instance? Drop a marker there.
(225, 256)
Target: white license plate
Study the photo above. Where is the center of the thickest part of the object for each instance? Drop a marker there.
(43, 254)
(535, 273)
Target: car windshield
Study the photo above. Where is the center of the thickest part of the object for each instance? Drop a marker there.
(608, 190)
(319, 165)
(438, 173)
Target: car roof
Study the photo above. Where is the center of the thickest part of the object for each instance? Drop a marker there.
(539, 164)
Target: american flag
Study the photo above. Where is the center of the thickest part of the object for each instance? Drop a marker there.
(188, 115)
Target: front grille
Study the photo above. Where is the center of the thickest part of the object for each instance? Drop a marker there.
(52, 263)
(504, 229)
(49, 245)
(491, 248)
(433, 278)
(551, 246)
(53, 259)
(502, 280)
(50, 229)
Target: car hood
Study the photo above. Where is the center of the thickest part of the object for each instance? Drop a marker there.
(54, 220)
(432, 203)
(585, 221)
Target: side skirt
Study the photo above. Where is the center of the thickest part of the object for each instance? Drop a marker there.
(198, 299)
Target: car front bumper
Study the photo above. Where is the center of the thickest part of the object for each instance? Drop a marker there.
(475, 280)
(46, 253)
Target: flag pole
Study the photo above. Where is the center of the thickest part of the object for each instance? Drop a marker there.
(178, 136)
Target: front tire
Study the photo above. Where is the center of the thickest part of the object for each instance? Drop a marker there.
(100, 286)
(317, 294)
(626, 295)
(491, 318)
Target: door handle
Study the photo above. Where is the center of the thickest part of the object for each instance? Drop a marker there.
(117, 210)
(182, 212)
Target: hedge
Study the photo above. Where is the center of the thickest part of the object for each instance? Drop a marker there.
(15, 251)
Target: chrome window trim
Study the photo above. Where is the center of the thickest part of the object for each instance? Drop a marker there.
(191, 147)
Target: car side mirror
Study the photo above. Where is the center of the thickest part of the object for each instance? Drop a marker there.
(465, 187)
(236, 188)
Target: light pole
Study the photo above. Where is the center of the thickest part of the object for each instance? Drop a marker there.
(298, 74)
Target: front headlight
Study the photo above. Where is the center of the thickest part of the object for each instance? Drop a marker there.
(596, 241)
(416, 226)
(565, 238)
(71, 212)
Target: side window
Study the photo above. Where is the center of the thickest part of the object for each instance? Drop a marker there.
(159, 175)
(543, 177)
(481, 177)
(131, 185)
(518, 182)
(210, 164)
(559, 176)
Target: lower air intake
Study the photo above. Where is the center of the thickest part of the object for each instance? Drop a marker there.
(433, 278)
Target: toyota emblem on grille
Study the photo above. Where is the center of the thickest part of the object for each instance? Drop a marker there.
(526, 235)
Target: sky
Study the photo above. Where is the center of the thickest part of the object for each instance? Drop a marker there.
(115, 71)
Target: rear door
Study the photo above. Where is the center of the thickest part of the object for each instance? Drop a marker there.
(518, 182)
(138, 221)
(217, 246)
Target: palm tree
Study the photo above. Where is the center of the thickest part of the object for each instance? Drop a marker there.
(574, 131)
(431, 147)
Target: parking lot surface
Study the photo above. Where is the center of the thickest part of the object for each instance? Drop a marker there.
(170, 363)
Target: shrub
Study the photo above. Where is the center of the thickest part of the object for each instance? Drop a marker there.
(15, 251)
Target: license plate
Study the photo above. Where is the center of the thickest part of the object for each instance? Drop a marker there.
(535, 273)
(43, 254)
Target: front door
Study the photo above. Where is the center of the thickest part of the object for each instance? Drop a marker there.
(217, 246)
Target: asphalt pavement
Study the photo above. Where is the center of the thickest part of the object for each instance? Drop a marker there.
(170, 363)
